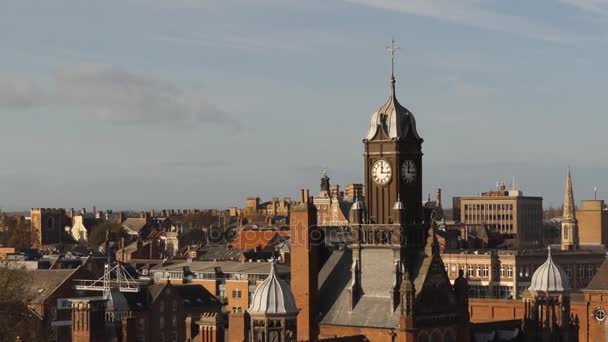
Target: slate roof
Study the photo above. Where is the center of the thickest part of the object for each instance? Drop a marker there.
(218, 253)
(600, 280)
(224, 267)
(197, 295)
(45, 282)
(334, 279)
(135, 224)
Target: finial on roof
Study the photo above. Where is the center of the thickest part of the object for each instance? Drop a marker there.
(324, 169)
(392, 49)
(398, 205)
(549, 251)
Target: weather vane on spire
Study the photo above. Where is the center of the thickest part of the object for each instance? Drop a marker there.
(392, 49)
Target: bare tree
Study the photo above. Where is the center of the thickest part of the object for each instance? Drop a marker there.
(16, 319)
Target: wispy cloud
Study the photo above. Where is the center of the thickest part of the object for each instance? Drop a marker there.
(474, 13)
(596, 6)
(113, 94)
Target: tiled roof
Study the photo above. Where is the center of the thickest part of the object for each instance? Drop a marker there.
(254, 239)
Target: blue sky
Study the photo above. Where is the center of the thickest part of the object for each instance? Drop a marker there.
(153, 104)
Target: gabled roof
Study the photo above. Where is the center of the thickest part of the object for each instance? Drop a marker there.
(600, 280)
(46, 282)
(155, 291)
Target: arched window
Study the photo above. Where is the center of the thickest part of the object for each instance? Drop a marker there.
(423, 336)
(437, 336)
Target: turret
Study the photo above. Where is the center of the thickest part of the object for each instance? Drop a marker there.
(357, 212)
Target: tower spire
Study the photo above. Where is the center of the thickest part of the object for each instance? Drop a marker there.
(392, 50)
(569, 213)
(570, 239)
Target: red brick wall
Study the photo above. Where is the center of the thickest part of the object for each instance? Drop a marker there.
(487, 310)
(304, 271)
(242, 301)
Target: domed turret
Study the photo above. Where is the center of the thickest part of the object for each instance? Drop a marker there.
(549, 278)
(396, 121)
(273, 297)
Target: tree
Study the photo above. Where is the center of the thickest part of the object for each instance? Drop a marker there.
(112, 230)
(16, 319)
(17, 233)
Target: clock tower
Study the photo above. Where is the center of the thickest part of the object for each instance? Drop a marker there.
(393, 162)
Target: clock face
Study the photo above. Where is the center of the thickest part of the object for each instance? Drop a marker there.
(381, 172)
(408, 171)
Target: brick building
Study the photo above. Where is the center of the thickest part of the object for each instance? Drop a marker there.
(51, 290)
(389, 283)
(233, 282)
(48, 226)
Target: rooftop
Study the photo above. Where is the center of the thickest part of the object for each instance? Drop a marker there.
(223, 266)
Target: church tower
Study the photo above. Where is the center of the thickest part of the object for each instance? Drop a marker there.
(393, 161)
(569, 221)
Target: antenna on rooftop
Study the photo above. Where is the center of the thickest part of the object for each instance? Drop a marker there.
(595, 193)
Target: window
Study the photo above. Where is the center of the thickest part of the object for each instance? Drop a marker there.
(174, 322)
(510, 271)
(485, 271)
(161, 322)
(470, 271)
(599, 315)
(236, 293)
(141, 324)
(174, 305)
(503, 292)
(502, 271)
(478, 291)
(478, 270)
